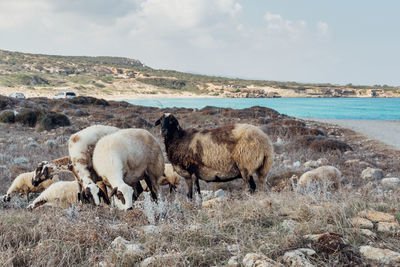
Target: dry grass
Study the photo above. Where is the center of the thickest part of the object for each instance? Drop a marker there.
(187, 233)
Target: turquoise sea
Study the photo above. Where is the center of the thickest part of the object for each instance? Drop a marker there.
(335, 108)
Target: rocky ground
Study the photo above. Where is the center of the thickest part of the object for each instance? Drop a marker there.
(355, 225)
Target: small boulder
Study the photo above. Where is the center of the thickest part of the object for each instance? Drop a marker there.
(391, 183)
(150, 229)
(290, 225)
(376, 216)
(367, 233)
(259, 260)
(372, 174)
(233, 262)
(220, 193)
(388, 227)
(126, 246)
(295, 258)
(382, 256)
(362, 223)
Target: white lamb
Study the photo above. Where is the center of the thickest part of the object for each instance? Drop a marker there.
(23, 184)
(60, 193)
(80, 147)
(124, 158)
(324, 174)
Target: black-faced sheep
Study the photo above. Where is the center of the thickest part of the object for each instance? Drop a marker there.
(80, 147)
(59, 193)
(23, 184)
(124, 158)
(215, 155)
(46, 169)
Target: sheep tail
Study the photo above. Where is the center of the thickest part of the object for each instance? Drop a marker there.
(264, 168)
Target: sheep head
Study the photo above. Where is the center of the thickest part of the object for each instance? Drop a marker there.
(43, 172)
(7, 198)
(169, 126)
(93, 194)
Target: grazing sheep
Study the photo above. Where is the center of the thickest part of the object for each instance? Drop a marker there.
(23, 184)
(216, 155)
(80, 147)
(124, 158)
(323, 174)
(46, 169)
(62, 192)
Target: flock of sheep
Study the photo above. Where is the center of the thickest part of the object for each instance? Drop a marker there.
(114, 166)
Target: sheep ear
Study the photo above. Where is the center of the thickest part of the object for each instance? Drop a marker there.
(158, 122)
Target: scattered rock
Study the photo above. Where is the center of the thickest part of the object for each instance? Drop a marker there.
(388, 227)
(390, 183)
(207, 194)
(376, 216)
(233, 262)
(259, 260)
(220, 193)
(296, 258)
(150, 229)
(167, 259)
(362, 223)
(372, 174)
(382, 256)
(233, 249)
(367, 233)
(211, 203)
(126, 246)
(357, 162)
(50, 144)
(316, 163)
(296, 164)
(307, 251)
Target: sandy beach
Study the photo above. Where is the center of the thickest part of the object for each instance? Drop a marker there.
(387, 132)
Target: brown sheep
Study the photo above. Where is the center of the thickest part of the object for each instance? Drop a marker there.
(216, 155)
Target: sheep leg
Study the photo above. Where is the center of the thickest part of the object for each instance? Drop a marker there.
(197, 183)
(138, 189)
(189, 183)
(27, 196)
(248, 179)
(152, 187)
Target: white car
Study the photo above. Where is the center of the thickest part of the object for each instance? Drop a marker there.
(64, 94)
(17, 95)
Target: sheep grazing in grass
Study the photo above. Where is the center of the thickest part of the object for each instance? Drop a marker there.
(23, 184)
(124, 158)
(216, 155)
(59, 193)
(80, 147)
(327, 175)
(46, 169)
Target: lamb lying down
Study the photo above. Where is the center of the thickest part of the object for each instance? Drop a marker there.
(23, 184)
(62, 193)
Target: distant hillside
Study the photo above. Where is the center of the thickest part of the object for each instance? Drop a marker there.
(43, 75)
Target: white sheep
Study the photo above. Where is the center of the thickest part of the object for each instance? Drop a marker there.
(323, 175)
(80, 147)
(60, 193)
(124, 158)
(23, 184)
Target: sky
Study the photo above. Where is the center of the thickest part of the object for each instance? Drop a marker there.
(316, 41)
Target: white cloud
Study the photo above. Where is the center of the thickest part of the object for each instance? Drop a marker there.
(322, 27)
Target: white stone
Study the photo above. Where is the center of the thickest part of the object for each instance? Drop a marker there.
(150, 229)
(126, 246)
(233, 262)
(290, 225)
(388, 227)
(376, 216)
(296, 258)
(233, 249)
(220, 193)
(307, 251)
(259, 260)
(372, 174)
(362, 223)
(390, 183)
(382, 256)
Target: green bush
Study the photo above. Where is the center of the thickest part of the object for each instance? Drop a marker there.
(28, 117)
(53, 120)
(7, 117)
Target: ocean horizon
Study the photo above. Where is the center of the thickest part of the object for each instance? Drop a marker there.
(332, 108)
